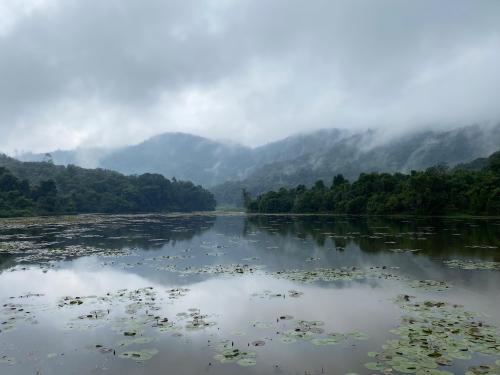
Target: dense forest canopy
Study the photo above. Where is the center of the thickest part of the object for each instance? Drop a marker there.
(435, 191)
(44, 188)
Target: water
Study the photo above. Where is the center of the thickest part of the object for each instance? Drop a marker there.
(178, 293)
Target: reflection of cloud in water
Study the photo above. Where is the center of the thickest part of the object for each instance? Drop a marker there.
(77, 281)
(227, 298)
(343, 309)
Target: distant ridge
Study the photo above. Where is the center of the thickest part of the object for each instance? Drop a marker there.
(299, 159)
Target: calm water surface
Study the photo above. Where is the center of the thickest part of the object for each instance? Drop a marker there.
(192, 294)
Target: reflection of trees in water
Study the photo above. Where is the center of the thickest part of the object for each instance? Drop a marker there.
(151, 234)
(145, 232)
(443, 236)
(6, 261)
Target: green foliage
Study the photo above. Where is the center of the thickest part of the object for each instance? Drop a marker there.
(44, 188)
(435, 191)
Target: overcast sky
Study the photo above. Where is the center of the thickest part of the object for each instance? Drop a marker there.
(107, 73)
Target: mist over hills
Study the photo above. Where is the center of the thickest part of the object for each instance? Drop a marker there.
(300, 159)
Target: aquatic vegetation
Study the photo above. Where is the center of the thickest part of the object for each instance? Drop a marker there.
(216, 254)
(71, 301)
(7, 360)
(434, 334)
(14, 313)
(197, 320)
(258, 343)
(141, 355)
(261, 325)
(177, 293)
(222, 269)
(336, 274)
(288, 340)
(472, 265)
(270, 294)
(135, 341)
(295, 294)
(46, 252)
(322, 274)
(313, 331)
(430, 285)
(228, 353)
(94, 315)
(484, 369)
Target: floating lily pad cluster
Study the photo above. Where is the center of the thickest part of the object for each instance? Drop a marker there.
(7, 360)
(222, 269)
(336, 274)
(492, 369)
(261, 325)
(195, 319)
(177, 293)
(432, 336)
(135, 341)
(322, 274)
(31, 252)
(143, 299)
(140, 355)
(138, 311)
(18, 247)
(430, 285)
(216, 253)
(314, 332)
(269, 294)
(72, 301)
(228, 353)
(13, 313)
(472, 265)
(94, 315)
(170, 257)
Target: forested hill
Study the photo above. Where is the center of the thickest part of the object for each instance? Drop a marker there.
(227, 168)
(353, 154)
(435, 191)
(34, 188)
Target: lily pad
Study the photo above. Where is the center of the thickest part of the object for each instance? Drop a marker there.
(141, 355)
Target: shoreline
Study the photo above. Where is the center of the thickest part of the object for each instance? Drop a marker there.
(243, 213)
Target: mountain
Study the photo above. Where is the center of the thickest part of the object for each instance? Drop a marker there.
(179, 155)
(299, 159)
(189, 157)
(183, 156)
(355, 153)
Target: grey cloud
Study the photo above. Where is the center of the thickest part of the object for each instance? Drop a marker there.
(118, 71)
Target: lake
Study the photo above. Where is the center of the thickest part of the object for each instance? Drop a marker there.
(226, 294)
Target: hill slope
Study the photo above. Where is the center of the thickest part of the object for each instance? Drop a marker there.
(33, 188)
(364, 152)
(299, 159)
